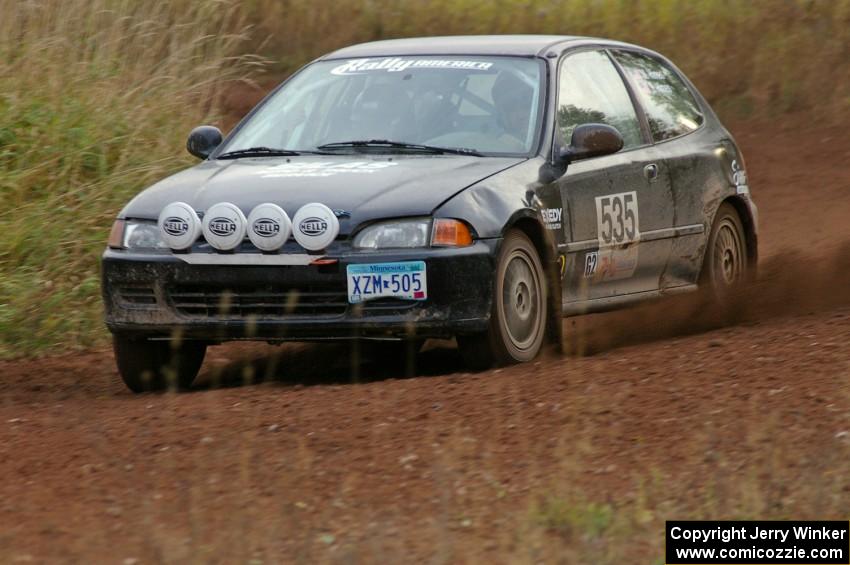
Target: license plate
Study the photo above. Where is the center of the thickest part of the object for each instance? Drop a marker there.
(381, 280)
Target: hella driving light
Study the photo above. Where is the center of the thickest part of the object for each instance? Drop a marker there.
(224, 226)
(315, 226)
(268, 227)
(179, 226)
(399, 233)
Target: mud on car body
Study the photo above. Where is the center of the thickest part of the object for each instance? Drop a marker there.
(468, 187)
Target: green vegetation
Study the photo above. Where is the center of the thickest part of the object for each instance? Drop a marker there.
(746, 56)
(96, 98)
(566, 524)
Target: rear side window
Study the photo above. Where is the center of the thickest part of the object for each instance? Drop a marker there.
(590, 90)
(669, 105)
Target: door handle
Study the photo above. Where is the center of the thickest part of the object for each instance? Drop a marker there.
(651, 171)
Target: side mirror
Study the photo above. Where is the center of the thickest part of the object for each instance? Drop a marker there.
(203, 140)
(591, 140)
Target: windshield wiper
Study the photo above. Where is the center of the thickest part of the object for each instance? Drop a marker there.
(258, 152)
(385, 143)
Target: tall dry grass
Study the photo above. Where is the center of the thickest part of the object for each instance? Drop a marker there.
(96, 97)
(747, 56)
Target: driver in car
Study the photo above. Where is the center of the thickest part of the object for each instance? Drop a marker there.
(510, 98)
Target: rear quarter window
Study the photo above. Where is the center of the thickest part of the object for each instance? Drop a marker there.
(669, 104)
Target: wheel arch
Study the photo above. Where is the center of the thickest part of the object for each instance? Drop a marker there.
(531, 226)
(749, 223)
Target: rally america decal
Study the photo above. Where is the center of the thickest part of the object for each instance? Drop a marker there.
(396, 64)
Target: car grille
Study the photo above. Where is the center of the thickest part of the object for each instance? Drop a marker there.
(258, 302)
(137, 295)
(388, 305)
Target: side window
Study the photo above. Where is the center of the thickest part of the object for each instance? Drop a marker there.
(669, 105)
(590, 90)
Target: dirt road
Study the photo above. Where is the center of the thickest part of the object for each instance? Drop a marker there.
(298, 458)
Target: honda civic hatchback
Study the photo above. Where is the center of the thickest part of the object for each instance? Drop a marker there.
(476, 188)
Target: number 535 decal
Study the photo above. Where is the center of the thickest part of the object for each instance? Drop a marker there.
(617, 221)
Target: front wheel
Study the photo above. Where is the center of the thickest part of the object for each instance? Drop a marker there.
(148, 366)
(517, 325)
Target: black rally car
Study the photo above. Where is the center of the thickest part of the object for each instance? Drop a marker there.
(474, 187)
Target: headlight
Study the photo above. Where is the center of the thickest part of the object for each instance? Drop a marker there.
(142, 235)
(399, 233)
(419, 232)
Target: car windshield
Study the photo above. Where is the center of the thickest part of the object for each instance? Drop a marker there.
(489, 105)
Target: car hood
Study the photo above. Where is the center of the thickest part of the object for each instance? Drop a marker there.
(359, 187)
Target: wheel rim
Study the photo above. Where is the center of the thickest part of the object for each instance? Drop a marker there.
(522, 301)
(728, 255)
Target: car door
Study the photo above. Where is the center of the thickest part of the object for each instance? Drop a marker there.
(672, 114)
(620, 206)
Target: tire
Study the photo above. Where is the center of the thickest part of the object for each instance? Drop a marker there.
(149, 366)
(726, 266)
(518, 318)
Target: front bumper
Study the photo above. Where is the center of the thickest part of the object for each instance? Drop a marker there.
(158, 295)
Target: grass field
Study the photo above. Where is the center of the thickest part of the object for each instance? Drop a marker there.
(747, 56)
(96, 98)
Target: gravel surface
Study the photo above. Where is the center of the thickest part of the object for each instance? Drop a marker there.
(301, 455)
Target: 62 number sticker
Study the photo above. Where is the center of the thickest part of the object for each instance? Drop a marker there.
(617, 221)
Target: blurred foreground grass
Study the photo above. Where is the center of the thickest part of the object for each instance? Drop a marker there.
(96, 98)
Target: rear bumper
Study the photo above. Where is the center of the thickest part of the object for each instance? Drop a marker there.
(161, 296)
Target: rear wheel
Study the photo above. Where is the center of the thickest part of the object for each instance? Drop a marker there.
(518, 318)
(147, 366)
(726, 266)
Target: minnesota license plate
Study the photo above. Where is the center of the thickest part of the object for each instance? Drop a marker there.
(381, 280)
